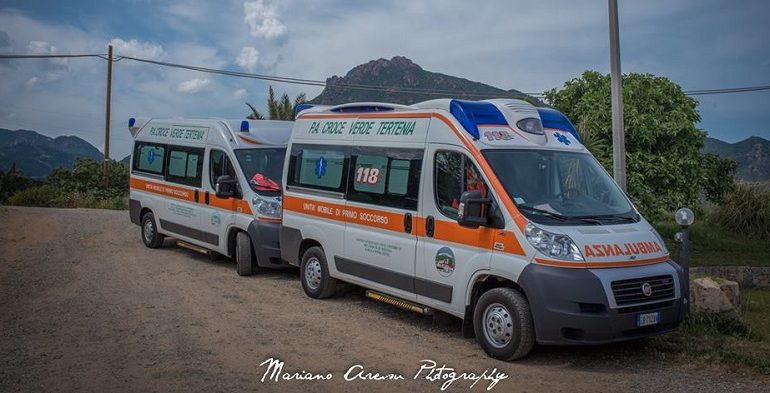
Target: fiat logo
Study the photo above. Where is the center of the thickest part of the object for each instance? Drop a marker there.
(647, 289)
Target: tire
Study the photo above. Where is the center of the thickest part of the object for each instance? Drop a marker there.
(503, 324)
(243, 254)
(149, 231)
(314, 274)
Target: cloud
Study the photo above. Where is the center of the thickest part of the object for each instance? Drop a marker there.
(239, 94)
(248, 59)
(134, 48)
(32, 82)
(263, 20)
(193, 85)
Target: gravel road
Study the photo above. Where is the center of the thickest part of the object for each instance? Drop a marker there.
(84, 306)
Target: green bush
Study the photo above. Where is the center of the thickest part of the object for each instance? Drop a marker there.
(40, 196)
(746, 211)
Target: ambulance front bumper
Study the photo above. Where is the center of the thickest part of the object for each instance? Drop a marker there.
(596, 306)
(264, 239)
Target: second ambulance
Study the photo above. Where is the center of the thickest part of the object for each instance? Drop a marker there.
(491, 211)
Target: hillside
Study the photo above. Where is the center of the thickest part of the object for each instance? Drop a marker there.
(401, 73)
(36, 155)
(752, 155)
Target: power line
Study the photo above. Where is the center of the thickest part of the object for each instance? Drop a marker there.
(50, 56)
(320, 83)
(726, 90)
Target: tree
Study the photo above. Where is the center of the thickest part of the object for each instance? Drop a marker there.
(12, 182)
(282, 109)
(86, 178)
(665, 167)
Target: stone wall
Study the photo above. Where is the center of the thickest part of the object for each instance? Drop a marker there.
(745, 276)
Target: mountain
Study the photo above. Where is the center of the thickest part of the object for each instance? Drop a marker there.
(752, 155)
(36, 155)
(400, 73)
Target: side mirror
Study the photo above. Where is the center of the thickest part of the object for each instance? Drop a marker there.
(226, 187)
(471, 211)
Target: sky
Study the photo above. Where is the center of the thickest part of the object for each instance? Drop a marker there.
(531, 46)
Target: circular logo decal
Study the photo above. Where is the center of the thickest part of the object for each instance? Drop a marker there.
(445, 261)
(215, 219)
(647, 289)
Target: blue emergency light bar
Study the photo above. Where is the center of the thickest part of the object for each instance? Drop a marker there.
(131, 122)
(471, 114)
(245, 126)
(551, 118)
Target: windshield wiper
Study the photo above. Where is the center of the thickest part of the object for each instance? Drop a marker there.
(634, 218)
(558, 216)
(543, 212)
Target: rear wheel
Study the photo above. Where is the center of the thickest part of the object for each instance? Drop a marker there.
(243, 254)
(150, 235)
(503, 324)
(314, 273)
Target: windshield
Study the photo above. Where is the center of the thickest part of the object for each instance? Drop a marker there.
(557, 187)
(262, 168)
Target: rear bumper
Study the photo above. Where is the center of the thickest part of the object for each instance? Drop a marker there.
(576, 306)
(265, 240)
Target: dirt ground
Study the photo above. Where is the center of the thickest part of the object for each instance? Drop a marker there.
(84, 306)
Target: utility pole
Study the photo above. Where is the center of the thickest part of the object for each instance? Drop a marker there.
(618, 132)
(107, 120)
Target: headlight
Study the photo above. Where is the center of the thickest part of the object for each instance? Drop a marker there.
(267, 207)
(552, 244)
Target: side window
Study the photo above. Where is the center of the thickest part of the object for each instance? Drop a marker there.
(385, 177)
(320, 167)
(219, 165)
(185, 165)
(455, 173)
(149, 157)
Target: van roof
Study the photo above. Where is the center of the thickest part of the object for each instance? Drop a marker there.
(495, 123)
(238, 133)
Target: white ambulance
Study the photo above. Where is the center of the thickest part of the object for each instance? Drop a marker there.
(491, 211)
(212, 184)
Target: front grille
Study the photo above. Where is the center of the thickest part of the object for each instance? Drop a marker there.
(630, 291)
(645, 307)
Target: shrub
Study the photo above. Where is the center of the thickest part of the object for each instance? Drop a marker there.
(40, 196)
(746, 211)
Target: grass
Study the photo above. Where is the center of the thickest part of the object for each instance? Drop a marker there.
(723, 341)
(755, 309)
(711, 245)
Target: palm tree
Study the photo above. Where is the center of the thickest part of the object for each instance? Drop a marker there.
(282, 109)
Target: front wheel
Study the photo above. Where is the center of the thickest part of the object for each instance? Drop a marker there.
(243, 258)
(150, 235)
(503, 324)
(314, 274)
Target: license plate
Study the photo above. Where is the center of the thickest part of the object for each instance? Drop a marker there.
(652, 318)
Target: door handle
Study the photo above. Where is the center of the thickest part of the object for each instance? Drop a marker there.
(408, 222)
(196, 196)
(207, 197)
(430, 226)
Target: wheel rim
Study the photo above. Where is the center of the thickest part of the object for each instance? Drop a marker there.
(313, 273)
(498, 325)
(148, 231)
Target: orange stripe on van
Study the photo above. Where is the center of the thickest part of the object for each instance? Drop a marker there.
(182, 193)
(451, 232)
(187, 194)
(600, 265)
